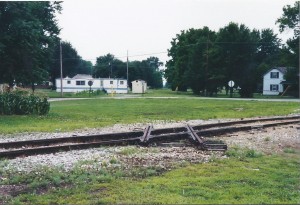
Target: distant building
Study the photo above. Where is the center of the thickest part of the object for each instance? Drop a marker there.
(80, 82)
(139, 86)
(273, 79)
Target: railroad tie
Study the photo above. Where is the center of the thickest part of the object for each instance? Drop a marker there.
(146, 135)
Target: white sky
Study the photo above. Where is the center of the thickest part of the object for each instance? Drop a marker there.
(98, 27)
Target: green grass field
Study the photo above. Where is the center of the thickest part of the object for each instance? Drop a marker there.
(247, 178)
(153, 93)
(99, 112)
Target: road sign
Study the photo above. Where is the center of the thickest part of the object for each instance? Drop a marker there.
(231, 83)
(90, 83)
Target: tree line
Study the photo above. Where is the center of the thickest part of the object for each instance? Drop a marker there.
(149, 70)
(201, 59)
(30, 49)
(28, 34)
(205, 60)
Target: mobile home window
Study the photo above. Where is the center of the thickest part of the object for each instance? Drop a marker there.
(121, 82)
(274, 87)
(111, 82)
(80, 82)
(274, 74)
(101, 82)
(68, 82)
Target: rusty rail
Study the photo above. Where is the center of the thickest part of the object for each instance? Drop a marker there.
(148, 137)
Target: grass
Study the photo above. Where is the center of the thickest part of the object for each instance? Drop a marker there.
(154, 93)
(245, 177)
(84, 94)
(100, 112)
(257, 180)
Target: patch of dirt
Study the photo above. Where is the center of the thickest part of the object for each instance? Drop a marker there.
(12, 190)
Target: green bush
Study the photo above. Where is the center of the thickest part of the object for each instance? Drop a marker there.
(23, 103)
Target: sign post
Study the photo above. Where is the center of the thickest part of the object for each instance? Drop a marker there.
(231, 84)
(90, 83)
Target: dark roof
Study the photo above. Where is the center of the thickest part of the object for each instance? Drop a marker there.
(283, 70)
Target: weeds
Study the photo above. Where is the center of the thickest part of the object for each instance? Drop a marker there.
(241, 154)
(113, 161)
(128, 151)
(289, 150)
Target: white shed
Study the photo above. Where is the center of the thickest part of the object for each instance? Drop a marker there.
(272, 81)
(139, 86)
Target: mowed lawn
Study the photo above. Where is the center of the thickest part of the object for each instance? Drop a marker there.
(245, 177)
(100, 112)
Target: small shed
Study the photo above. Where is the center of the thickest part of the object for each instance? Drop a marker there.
(139, 86)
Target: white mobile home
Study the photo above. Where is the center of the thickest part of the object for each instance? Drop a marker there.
(80, 83)
(139, 86)
(272, 83)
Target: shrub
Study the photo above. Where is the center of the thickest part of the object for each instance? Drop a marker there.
(21, 102)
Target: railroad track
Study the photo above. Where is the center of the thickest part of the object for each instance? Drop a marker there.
(197, 136)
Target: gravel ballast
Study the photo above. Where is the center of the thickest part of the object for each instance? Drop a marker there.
(270, 140)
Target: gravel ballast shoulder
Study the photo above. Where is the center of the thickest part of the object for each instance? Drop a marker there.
(270, 140)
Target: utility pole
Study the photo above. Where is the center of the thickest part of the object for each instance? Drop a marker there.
(127, 70)
(299, 46)
(110, 64)
(61, 72)
(206, 68)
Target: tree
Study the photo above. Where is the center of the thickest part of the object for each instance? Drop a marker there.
(205, 60)
(108, 66)
(176, 67)
(28, 31)
(189, 65)
(151, 73)
(267, 55)
(72, 63)
(290, 20)
(237, 46)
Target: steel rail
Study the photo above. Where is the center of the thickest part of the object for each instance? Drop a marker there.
(125, 135)
(52, 149)
(219, 131)
(149, 136)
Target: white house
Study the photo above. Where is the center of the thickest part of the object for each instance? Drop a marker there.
(139, 86)
(80, 82)
(272, 83)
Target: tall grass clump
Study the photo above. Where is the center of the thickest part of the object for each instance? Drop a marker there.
(241, 153)
(22, 102)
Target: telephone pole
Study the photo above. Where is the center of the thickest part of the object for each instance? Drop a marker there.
(127, 70)
(61, 71)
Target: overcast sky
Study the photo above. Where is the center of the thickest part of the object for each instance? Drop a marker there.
(98, 27)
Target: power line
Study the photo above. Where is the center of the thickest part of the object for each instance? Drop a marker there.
(176, 46)
(137, 55)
